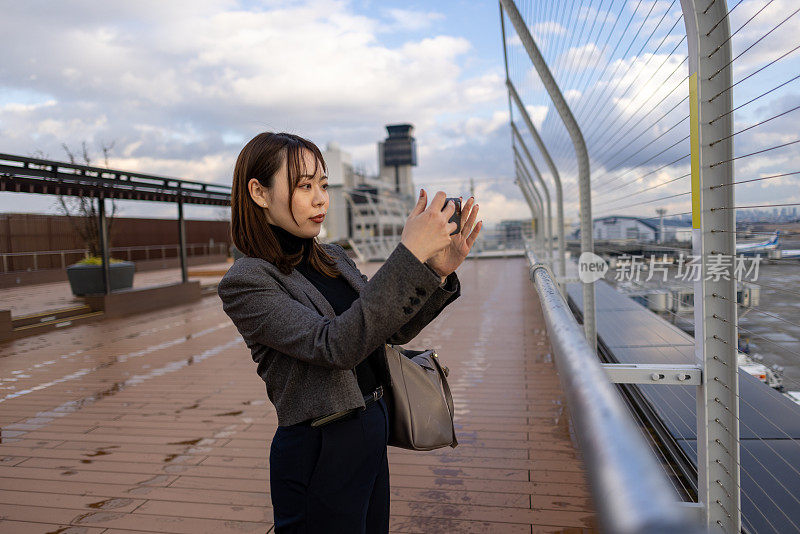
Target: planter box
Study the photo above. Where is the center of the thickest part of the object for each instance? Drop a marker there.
(88, 279)
(130, 301)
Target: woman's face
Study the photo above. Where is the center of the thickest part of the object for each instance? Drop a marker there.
(310, 199)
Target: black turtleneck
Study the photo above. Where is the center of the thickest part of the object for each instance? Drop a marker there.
(338, 292)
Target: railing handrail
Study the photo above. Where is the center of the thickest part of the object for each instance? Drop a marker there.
(6, 257)
(84, 250)
(631, 493)
(117, 175)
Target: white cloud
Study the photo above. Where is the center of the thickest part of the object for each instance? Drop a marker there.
(16, 107)
(485, 88)
(481, 128)
(175, 80)
(647, 83)
(548, 28)
(198, 170)
(545, 33)
(411, 20)
(537, 115)
(222, 58)
(495, 206)
(513, 40)
(580, 57)
(783, 36)
(572, 96)
(594, 14)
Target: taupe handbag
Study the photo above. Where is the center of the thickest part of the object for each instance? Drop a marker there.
(419, 400)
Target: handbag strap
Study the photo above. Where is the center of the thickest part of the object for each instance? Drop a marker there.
(447, 396)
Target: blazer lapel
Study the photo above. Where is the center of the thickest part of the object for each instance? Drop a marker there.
(313, 294)
(353, 276)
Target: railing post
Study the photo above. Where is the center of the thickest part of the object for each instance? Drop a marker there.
(528, 186)
(562, 254)
(540, 203)
(713, 234)
(531, 204)
(549, 248)
(534, 193)
(581, 154)
(562, 246)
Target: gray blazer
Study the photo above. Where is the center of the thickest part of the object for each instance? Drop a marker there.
(306, 354)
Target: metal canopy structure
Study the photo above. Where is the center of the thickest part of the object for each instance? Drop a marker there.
(21, 174)
(31, 175)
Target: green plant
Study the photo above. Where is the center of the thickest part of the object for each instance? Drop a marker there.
(96, 260)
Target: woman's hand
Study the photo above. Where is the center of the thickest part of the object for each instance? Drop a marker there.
(449, 258)
(427, 230)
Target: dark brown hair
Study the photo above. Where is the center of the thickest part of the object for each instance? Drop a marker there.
(261, 158)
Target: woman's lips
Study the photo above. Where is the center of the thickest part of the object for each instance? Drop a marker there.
(318, 219)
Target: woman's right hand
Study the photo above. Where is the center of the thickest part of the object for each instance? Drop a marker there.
(427, 230)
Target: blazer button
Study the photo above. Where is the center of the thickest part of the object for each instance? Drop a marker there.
(420, 291)
(408, 309)
(414, 300)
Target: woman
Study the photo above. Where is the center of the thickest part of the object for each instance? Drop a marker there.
(316, 328)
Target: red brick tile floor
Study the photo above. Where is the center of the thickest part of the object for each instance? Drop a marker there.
(159, 424)
(24, 300)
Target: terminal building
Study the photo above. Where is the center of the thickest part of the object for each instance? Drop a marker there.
(638, 229)
(369, 212)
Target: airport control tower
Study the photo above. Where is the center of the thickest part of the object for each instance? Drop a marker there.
(396, 155)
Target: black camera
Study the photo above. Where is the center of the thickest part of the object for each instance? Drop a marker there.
(456, 218)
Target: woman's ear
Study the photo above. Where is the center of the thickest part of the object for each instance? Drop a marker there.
(258, 193)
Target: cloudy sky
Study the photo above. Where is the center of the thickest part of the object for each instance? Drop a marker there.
(178, 87)
(622, 67)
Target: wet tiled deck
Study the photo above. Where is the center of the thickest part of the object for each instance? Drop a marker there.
(159, 423)
(25, 300)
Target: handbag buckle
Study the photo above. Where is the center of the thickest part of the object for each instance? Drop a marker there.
(444, 368)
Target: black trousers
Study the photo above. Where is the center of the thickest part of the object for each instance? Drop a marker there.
(333, 478)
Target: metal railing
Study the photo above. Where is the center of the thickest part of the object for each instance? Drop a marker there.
(151, 252)
(35, 175)
(630, 491)
(649, 94)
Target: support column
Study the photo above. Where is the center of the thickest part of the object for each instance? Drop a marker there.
(182, 241)
(102, 231)
(713, 234)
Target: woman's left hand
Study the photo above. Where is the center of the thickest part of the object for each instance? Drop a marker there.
(449, 258)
